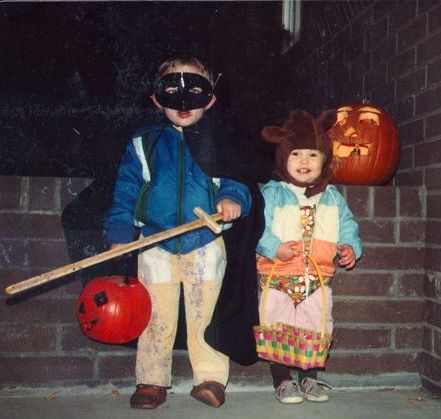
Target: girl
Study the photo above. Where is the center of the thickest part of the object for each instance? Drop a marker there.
(304, 217)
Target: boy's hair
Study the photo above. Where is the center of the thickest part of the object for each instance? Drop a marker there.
(170, 64)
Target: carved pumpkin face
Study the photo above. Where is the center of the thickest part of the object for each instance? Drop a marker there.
(113, 309)
(366, 147)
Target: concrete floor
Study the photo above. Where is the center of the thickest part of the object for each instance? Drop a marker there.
(110, 402)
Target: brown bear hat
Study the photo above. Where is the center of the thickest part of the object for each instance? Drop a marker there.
(302, 131)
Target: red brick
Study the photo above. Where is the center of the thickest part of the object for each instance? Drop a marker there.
(437, 342)
(358, 200)
(41, 371)
(27, 339)
(375, 78)
(429, 49)
(384, 94)
(376, 33)
(428, 153)
(38, 310)
(42, 194)
(384, 50)
(432, 286)
(31, 225)
(13, 253)
(434, 14)
(433, 259)
(359, 66)
(434, 313)
(361, 284)
(402, 15)
(392, 258)
(412, 34)
(409, 178)
(372, 363)
(434, 73)
(47, 254)
(411, 202)
(377, 231)
(412, 132)
(433, 206)
(412, 231)
(402, 63)
(354, 48)
(408, 338)
(410, 285)
(406, 158)
(74, 340)
(433, 178)
(374, 311)
(431, 367)
(411, 84)
(432, 126)
(427, 101)
(353, 338)
(425, 5)
(10, 188)
(117, 366)
(433, 232)
(427, 341)
(385, 201)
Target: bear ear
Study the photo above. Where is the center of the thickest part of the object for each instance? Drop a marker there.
(327, 119)
(273, 134)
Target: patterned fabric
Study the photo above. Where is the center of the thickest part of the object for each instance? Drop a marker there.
(298, 287)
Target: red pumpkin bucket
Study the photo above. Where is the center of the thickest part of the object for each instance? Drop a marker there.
(113, 309)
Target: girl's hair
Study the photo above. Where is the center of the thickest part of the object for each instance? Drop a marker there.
(169, 66)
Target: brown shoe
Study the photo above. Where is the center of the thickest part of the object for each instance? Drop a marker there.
(148, 397)
(209, 392)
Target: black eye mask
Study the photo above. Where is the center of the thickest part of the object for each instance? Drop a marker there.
(183, 91)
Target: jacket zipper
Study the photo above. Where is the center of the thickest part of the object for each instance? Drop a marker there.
(180, 198)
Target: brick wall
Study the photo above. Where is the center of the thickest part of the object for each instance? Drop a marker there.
(379, 308)
(387, 53)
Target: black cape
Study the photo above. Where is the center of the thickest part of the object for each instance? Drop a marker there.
(231, 329)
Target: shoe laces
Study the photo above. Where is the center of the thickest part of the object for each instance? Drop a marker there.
(288, 387)
(313, 386)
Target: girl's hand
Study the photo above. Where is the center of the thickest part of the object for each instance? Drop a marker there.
(230, 210)
(347, 256)
(287, 250)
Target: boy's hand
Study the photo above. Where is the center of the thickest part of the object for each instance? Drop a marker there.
(230, 210)
(287, 250)
(347, 256)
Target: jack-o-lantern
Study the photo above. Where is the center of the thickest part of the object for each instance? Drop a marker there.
(113, 309)
(366, 146)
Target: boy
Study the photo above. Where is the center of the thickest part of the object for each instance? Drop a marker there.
(165, 173)
(305, 218)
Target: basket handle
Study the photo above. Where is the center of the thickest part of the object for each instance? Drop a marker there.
(322, 286)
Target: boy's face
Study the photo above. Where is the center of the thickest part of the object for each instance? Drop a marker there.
(305, 165)
(176, 87)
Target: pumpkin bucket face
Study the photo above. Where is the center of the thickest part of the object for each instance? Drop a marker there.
(366, 147)
(113, 309)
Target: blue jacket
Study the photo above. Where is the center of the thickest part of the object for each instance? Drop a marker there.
(159, 191)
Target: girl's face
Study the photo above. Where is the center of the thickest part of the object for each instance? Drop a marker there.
(182, 119)
(305, 165)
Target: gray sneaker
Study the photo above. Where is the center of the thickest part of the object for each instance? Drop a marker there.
(289, 392)
(314, 391)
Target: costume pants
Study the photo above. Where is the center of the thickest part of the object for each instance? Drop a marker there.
(201, 273)
(308, 314)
